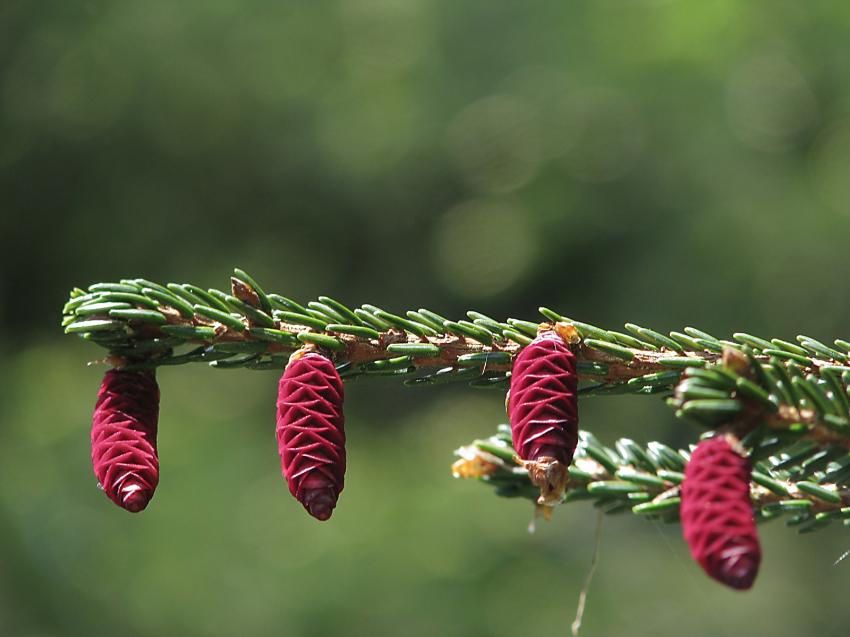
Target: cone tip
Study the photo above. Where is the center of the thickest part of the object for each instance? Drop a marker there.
(319, 503)
(134, 498)
(739, 571)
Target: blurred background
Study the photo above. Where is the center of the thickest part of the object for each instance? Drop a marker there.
(656, 161)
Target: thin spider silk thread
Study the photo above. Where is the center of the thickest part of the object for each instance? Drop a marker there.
(594, 561)
(685, 567)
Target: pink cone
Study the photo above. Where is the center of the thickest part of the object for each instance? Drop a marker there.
(123, 438)
(310, 433)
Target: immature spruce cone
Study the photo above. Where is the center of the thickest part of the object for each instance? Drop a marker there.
(543, 410)
(310, 434)
(717, 515)
(543, 407)
(123, 438)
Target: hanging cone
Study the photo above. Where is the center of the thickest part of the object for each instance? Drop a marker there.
(717, 515)
(310, 432)
(123, 438)
(543, 411)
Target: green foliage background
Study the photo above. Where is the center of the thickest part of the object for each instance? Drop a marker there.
(657, 161)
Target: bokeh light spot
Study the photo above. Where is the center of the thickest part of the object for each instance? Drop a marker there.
(482, 247)
(495, 144)
(546, 89)
(769, 103)
(87, 91)
(602, 134)
(831, 167)
(383, 37)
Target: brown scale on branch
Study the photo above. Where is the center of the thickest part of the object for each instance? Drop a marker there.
(788, 416)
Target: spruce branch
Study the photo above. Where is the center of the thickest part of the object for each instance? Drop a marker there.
(789, 403)
(809, 484)
(144, 325)
(747, 396)
(141, 323)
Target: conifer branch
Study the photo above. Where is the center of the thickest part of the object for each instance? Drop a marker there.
(789, 403)
(144, 325)
(142, 322)
(646, 480)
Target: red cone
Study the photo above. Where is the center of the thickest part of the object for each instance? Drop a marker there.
(123, 438)
(717, 515)
(310, 432)
(543, 406)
